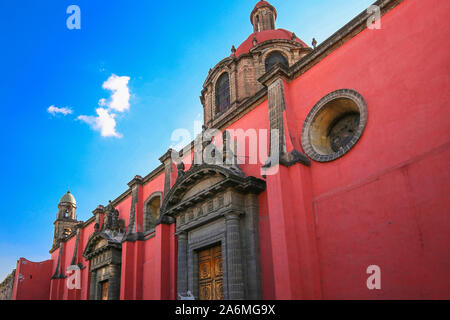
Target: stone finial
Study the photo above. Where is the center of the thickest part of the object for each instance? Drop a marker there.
(233, 49)
(294, 36)
(255, 41)
(314, 43)
(111, 221)
(180, 169)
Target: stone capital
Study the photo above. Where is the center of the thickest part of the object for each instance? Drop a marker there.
(278, 72)
(182, 236)
(137, 180)
(232, 215)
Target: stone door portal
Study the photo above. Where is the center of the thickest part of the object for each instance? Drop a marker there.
(215, 209)
(210, 273)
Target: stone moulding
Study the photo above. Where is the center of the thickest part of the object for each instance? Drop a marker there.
(171, 204)
(320, 107)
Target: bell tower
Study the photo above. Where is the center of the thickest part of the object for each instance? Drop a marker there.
(66, 218)
(263, 17)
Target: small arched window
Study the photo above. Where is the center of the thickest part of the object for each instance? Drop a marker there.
(272, 22)
(223, 93)
(67, 232)
(276, 58)
(151, 213)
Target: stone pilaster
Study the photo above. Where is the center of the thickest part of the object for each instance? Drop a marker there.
(234, 257)
(59, 274)
(93, 286)
(182, 264)
(114, 282)
(287, 153)
(277, 105)
(234, 94)
(133, 231)
(166, 159)
(75, 250)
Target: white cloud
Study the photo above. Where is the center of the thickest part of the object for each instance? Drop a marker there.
(54, 110)
(119, 102)
(104, 122)
(120, 99)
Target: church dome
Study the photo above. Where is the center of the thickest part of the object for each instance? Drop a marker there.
(235, 79)
(68, 198)
(266, 35)
(263, 18)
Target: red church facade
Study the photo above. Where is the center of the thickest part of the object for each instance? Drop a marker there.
(362, 178)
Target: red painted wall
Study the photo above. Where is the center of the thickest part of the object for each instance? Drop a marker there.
(384, 203)
(32, 281)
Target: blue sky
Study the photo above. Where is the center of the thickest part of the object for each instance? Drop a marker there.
(160, 51)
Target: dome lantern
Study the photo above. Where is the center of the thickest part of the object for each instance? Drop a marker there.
(263, 17)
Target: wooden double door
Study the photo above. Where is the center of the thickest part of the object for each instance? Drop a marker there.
(210, 274)
(104, 288)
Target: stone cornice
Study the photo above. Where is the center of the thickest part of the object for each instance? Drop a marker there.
(153, 174)
(277, 71)
(339, 38)
(263, 44)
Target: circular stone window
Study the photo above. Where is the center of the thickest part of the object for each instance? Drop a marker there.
(334, 125)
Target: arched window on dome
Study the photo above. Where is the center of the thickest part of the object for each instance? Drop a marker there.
(223, 93)
(276, 58)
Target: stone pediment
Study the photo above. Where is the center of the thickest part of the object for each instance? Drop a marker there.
(204, 181)
(100, 242)
(207, 183)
